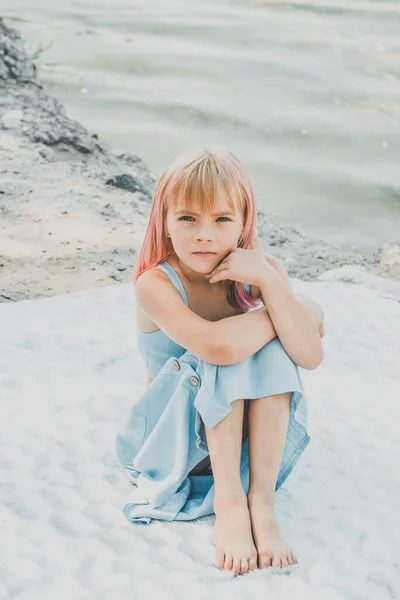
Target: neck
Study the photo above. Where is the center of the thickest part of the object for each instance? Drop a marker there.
(193, 277)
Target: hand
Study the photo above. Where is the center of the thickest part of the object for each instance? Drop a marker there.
(245, 266)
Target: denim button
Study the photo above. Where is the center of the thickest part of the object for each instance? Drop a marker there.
(176, 365)
(194, 381)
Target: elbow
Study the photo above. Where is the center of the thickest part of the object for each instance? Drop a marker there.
(216, 351)
(315, 361)
(221, 356)
(227, 357)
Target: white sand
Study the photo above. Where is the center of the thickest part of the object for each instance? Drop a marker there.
(69, 370)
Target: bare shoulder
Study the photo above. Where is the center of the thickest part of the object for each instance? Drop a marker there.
(148, 285)
(148, 281)
(166, 309)
(280, 268)
(149, 276)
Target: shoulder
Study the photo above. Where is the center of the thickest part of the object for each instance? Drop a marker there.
(280, 268)
(155, 286)
(145, 283)
(149, 277)
(154, 294)
(151, 285)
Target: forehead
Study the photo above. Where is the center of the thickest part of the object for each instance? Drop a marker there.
(221, 204)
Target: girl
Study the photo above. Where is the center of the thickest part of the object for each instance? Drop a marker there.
(223, 419)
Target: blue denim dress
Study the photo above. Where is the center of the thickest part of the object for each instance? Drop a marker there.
(164, 439)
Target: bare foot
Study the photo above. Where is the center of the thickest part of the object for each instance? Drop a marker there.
(272, 548)
(235, 548)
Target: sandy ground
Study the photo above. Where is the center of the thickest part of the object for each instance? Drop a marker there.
(60, 231)
(63, 230)
(69, 372)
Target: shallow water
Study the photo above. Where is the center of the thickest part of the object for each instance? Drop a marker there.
(307, 94)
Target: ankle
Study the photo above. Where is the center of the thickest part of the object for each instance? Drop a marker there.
(267, 498)
(223, 499)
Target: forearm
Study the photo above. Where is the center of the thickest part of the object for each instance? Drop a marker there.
(315, 311)
(241, 336)
(294, 322)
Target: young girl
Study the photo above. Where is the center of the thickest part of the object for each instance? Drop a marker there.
(223, 419)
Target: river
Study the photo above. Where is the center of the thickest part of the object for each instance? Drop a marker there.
(307, 94)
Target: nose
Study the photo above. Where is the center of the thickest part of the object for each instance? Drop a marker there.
(204, 234)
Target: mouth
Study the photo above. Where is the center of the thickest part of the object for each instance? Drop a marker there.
(205, 254)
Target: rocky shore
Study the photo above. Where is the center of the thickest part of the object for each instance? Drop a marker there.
(73, 213)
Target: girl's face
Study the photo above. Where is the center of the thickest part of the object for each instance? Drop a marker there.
(192, 232)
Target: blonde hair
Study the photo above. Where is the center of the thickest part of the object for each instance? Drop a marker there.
(197, 177)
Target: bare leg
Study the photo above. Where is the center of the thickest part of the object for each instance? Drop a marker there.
(268, 423)
(235, 548)
(204, 464)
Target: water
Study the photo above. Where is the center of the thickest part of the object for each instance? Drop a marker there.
(307, 94)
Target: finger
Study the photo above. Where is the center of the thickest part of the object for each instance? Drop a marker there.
(223, 263)
(219, 276)
(217, 269)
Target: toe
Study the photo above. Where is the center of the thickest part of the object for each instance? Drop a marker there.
(294, 558)
(290, 559)
(221, 559)
(244, 566)
(237, 565)
(228, 562)
(264, 560)
(285, 562)
(252, 561)
(276, 562)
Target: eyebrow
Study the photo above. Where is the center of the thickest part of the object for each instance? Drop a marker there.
(218, 214)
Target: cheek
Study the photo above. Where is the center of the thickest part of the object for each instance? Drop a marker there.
(235, 232)
(181, 235)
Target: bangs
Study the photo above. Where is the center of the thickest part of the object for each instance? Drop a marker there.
(202, 179)
(202, 184)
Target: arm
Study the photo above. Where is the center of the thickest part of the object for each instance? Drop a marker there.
(311, 305)
(294, 323)
(212, 341)
(243, 335)
(315, 311)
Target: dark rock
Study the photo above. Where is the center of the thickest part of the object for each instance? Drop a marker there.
(128, 182)
(43, 118)
(59, 161)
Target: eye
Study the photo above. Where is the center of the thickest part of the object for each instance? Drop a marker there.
(190, 217)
